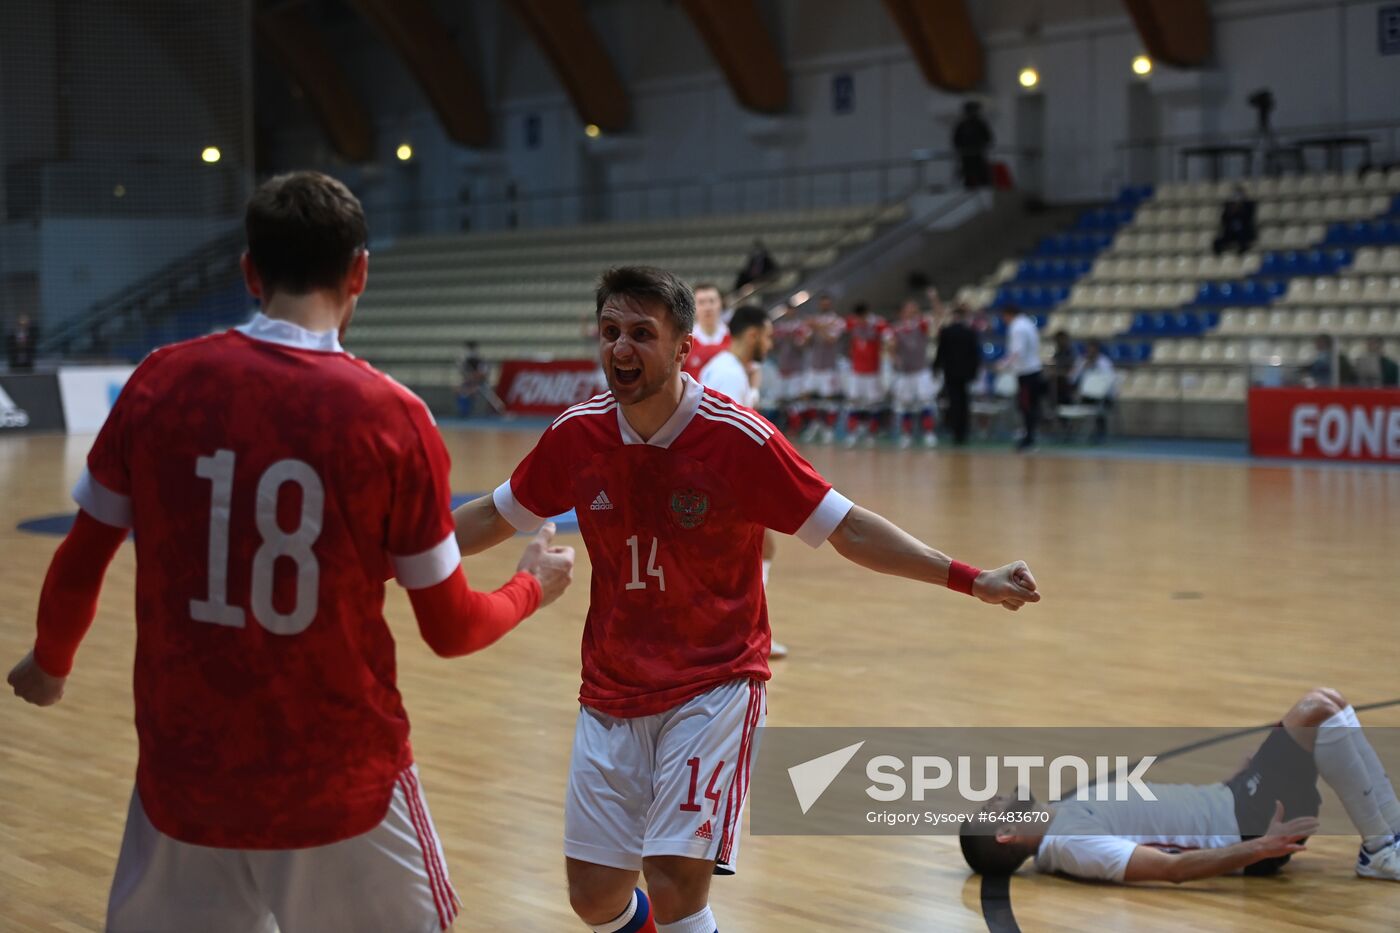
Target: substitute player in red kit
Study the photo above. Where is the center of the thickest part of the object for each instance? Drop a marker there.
(867, 332)
(674, 485)
(914, 386)
(711, 334)
(274, 482)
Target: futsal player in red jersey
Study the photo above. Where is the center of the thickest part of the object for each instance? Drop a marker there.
(274, 482)
(867, 332)
(674, 485)
(711, 334)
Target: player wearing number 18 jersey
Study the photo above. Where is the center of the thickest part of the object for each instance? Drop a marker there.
(674, 485)
(274, 483)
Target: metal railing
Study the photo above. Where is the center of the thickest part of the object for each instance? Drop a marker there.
(168, 290)
(788, 189)
(1160, 159)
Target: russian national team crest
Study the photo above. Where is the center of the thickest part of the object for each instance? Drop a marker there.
(689, 507)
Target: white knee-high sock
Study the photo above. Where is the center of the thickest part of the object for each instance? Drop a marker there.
(701, 922)
(1343, 768)
(1382, 789)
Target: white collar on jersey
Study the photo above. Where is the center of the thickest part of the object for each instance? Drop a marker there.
(691, 392)
(287, 334)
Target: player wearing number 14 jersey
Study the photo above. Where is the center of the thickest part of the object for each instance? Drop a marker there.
(674, 485)
(274, 483)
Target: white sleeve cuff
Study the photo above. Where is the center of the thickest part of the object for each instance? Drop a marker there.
(420, 571)
(512, 511)
(829, 513)
(108, 507)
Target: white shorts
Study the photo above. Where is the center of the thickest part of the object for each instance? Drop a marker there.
(670, 784)
(824, 383)
(914, 390)
(390, 878)
(865, 390)
(787, 388)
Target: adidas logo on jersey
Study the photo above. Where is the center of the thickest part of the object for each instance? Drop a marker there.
(601, 504)
(705, 832)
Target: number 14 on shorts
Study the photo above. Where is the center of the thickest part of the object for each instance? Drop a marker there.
(712, 791)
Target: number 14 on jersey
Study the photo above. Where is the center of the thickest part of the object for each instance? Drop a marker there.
(653, 569)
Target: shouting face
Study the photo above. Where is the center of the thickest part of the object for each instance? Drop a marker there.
(639, 347)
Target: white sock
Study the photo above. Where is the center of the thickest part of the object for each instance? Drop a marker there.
(1383, 791)
(702, 922)
(767, 569)
(621, 920)
(1343, 768)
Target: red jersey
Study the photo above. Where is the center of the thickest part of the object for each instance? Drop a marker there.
(909, 340)
(867, 337)
(674, 530)
(273, 483)
(703, 349)
(790, 336)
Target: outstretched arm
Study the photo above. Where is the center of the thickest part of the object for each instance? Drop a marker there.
(874, 542)
(67, 606)
(1283, 838)
(480, 526)
(455, 620)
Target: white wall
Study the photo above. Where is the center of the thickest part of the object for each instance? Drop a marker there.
(1319, 56)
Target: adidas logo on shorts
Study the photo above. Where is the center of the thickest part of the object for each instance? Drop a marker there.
(601, 504)
(705, 832)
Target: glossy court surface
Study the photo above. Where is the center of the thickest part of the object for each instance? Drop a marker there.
(1176, 594)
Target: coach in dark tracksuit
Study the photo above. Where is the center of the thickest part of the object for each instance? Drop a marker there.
(958, 358)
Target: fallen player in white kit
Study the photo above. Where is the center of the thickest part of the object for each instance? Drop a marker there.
(1252, 823)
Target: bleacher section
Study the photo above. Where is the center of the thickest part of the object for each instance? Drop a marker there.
(1181, 322)
(526, 294)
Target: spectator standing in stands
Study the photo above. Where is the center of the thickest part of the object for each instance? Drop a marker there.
(1320, 374)
(1023, 359)
(758, 266)
(1237, 226)
(972, 140)
(1375, 370)
(958, 358)
(1093, 383)
(22, 345)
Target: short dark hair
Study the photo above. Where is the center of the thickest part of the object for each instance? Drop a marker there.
(1010, 309)
(985, 855)
(746, 318)
(699, 287)
(651, 284)
(304, 230)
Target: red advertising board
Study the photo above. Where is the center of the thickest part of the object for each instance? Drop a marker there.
(547, 388)
(1325, 424)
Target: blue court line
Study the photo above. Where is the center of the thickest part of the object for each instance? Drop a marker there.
(58, 525)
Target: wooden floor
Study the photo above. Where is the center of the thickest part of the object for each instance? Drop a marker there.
(1175, 594)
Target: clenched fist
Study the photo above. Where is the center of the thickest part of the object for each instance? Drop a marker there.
(33, 685)
(1011, 586)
